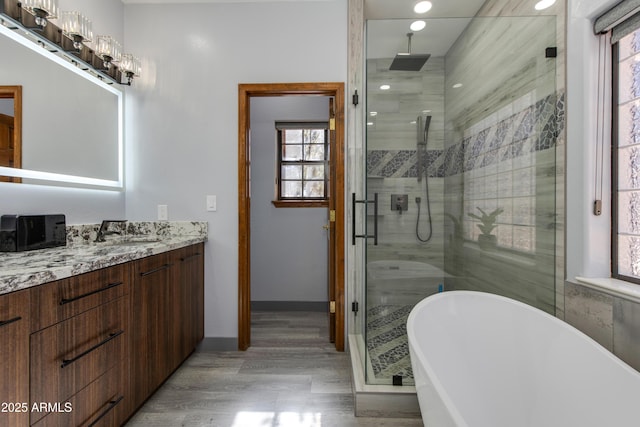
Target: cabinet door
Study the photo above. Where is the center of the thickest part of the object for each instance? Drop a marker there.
(191, 279)
(188, 300)
(14, 353)
(151, 325)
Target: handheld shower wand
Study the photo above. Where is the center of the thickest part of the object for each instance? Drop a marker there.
(422, 124)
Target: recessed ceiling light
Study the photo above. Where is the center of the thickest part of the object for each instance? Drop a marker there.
(373, 113)
(544, 4)
(417, 25)
(369, 123)
(385, 87)
(426, 111)
(422, 7)
(413, 122)
(457, 85)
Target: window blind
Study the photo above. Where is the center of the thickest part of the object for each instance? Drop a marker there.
(621, 20)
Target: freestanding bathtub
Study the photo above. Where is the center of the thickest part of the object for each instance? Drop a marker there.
(482, 360)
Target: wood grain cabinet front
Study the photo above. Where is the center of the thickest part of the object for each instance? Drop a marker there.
(14, 353)
(68, 356)
(60, 300)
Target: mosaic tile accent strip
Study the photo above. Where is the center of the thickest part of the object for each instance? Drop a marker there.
(536, 128)
(387, 343)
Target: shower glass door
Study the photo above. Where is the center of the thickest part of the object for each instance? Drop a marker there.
(461, 155)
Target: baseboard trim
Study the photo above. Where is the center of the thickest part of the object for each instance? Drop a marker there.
(290, 306)
(218, 344)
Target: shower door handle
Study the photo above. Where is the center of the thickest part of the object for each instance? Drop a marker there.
(373, 236)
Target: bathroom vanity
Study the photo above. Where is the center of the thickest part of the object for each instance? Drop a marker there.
(90, 331)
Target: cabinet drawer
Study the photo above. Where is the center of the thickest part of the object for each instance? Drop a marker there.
(14, 353)
(69, 355)
(60, 300)
(102, 403)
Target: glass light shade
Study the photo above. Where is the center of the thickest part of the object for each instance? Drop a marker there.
(77, 27)
(108, 49)
(48, 7)
(130, 64)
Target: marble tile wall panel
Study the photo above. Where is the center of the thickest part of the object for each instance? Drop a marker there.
(626, 331)
(591, 312)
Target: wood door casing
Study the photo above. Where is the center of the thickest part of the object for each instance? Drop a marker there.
(245, 92)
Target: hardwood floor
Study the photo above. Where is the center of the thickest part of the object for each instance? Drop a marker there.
(291, 376)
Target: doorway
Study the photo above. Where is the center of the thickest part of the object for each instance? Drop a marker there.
(335, 201)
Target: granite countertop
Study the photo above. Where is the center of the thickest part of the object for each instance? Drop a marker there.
(21, 270)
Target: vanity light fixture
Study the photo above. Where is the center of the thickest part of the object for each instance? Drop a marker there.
(43, 10)
(28, 19)
(77, 27)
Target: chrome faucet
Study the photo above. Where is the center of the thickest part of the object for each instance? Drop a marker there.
(103, 231)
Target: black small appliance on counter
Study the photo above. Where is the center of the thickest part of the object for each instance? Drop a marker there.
(28, 232)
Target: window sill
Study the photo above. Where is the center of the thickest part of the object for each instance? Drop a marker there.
(615, 287)
(300, 203)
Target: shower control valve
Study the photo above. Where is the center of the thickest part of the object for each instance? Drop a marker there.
(399, 202)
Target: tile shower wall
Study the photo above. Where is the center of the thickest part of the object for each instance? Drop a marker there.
(503, 128)
(392, 159)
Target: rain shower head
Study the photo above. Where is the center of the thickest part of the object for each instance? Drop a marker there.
(409, 61)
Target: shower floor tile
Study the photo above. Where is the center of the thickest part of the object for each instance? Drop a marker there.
(387, 345)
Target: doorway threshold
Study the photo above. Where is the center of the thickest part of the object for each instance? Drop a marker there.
(382, 401)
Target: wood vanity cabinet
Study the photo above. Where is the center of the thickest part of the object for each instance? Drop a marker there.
(90, 349)
(168, 315)
(80, 350)
(14, 353)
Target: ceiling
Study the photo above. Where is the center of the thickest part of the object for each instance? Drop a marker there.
(388, 24)
(389, 20)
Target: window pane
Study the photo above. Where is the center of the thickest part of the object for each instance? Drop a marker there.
(629, 212)
(291, 172)
(291, 189)
(314, 172)
(291, 152)
(314, 189)
(316, 136)
(629, 255)
(292, 136)
(628, 156)
(629, 168)
(314, 152)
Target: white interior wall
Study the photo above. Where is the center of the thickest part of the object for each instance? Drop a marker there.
(588, 236)
(182, 114)
(288, 245)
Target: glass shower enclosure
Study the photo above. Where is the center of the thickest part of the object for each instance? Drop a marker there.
(460, 172)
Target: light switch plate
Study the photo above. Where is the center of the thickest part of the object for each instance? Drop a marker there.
(212, 204)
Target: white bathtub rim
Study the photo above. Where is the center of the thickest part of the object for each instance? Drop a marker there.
(433, 377)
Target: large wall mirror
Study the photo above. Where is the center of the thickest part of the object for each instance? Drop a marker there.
(71, 121)
(10, 129)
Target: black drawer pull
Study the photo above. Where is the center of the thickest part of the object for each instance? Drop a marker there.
(67, 362)
(7, 322)
(64, 301)
(187, 258)
(155, 270)
(112, 404)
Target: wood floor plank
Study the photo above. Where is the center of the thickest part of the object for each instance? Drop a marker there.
(290, 377)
